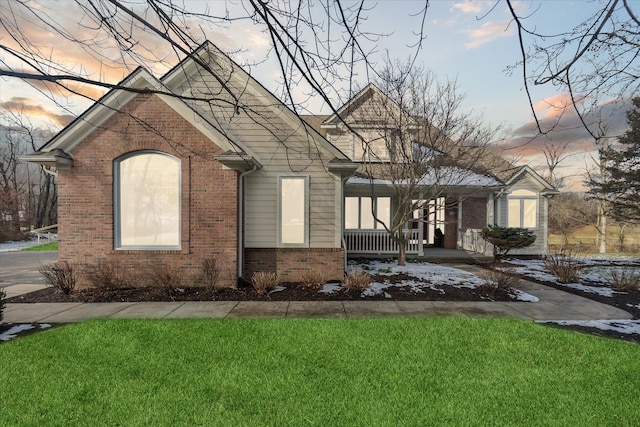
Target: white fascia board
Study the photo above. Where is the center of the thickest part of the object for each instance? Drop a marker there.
(100, 112)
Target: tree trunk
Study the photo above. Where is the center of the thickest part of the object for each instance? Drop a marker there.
(602, 230)
(402, 251)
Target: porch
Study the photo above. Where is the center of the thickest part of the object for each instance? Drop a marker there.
(372, 243)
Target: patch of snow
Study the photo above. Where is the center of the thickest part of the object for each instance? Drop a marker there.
(277, 289)
(13, 331)
(376, 289)
(535, 269)
(523, 296)
(19, 245)
(621, 326)
(427, 272)
(331, 288)
(634, 306)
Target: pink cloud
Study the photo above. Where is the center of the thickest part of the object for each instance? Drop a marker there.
(19, 105)
(488, 32)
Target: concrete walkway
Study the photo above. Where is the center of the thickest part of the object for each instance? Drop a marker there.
(553, 305)
(19, 275)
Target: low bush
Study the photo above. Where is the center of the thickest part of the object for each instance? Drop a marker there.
(625, 278)
(313, 279)
(165, 275)
(357, 280)
(564, 265)
(210, 272)
(63, 276)
(106, 275)
(3, 294)
(504, 239)
(264, 281)
(498, 280)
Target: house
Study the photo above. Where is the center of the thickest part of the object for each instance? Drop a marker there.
(204, 162)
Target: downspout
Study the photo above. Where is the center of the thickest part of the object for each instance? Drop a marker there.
(48, 170)
(240, 219)
(344, 242)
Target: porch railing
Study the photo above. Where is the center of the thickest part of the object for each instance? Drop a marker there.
(469, 239)
(378, 242)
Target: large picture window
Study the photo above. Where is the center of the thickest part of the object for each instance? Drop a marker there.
(147, 201)
(293, 211)
(523, 209)
(358, 212)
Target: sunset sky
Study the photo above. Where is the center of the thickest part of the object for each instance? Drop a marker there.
(472, 41)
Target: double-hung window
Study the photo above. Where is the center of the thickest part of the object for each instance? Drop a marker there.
(293, 211)
(523, 209)
(147, 201)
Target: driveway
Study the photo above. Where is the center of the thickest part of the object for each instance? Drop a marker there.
(22, 267)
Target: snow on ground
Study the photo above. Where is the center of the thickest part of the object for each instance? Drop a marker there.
(535, 269)
(621, 326)
(595, 270)
(13, 331)
(427, 276)
(16, 246)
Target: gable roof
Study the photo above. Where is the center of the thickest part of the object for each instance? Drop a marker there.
(207, 53)
(142, 81)
(368, 92)
(526, 171)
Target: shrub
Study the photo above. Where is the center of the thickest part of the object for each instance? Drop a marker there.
(504, 239)
(495, 281)
(210, 272)
(357, 280)
(564, 265)
(165, 276)
(313, 279)
(106, 275)
(3, 294)
(625, 278)
(63, 276)
(264, 281)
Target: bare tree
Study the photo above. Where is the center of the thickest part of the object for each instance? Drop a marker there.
(568, 211)
(594, 62)
(601, 161)
(420, 144)
(554, 154)
(29, 194)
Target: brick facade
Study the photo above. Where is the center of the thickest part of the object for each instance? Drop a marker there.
(474, 212)
(209, 212)
(291, 263)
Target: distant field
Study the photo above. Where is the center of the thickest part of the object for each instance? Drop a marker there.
(584, 239)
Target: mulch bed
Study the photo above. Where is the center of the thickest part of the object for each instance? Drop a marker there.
(291, 292)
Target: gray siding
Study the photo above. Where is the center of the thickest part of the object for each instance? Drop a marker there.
(540, 245)
(283, 148)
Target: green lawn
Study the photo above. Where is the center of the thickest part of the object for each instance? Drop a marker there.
(51, 246)
(356, 372)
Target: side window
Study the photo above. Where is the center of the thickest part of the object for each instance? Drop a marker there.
(147, 201)
(523, 209)
(293, 211)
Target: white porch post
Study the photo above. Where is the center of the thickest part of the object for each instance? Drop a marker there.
(421, 234)
(490, 209)
(459, 244)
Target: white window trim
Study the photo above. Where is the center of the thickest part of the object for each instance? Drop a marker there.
(307, 218)
(521, 199)
(117, 237)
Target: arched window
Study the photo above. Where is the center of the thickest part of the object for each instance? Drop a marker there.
(523, 209)
(147, 201)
